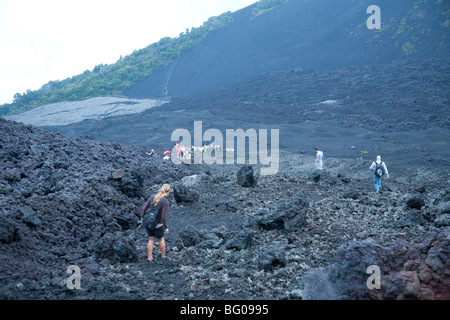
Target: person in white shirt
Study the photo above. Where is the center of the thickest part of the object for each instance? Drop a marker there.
(318, 164)
(379, 169)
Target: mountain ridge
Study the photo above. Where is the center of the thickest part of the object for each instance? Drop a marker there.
(308, 34)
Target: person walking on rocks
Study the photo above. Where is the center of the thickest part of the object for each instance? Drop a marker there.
(379, 169)
(318, 164)
(159, 203)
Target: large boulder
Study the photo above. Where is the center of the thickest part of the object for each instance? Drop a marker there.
(415, 202)
(271, 257)
(185, 194)
(406, 271)
(206, 239)
(190, 236)
(240, 241)
(117, 248)
(289, 216)
(245, 177)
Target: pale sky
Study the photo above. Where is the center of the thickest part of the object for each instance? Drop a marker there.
(48, 40)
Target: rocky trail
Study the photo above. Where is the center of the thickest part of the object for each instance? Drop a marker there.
(294, 235)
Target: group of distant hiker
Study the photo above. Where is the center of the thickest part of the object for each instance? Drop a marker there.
(167, 153)
(378, 167)
(154, 213)
(184, 152)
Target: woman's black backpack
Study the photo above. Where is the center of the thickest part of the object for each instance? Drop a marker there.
(151, 217)
(379, 170)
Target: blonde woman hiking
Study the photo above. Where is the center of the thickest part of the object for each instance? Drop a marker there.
(154, 219)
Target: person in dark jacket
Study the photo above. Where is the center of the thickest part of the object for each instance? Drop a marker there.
(161, 228)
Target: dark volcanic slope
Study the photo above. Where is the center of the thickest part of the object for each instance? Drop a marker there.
(325, 34)
(292, 235)
(398, 110)
(60, 205)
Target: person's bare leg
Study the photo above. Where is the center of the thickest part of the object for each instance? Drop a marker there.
(150, 245)
(162, 247)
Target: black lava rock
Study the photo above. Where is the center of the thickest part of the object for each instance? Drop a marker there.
(190, 236)
(289, 216)
(351, 194)
(415, 202)
(9, 230)
(245, 177)
(271, 257)
(29, 216)
(240, 241)
(116, 248)
(185, 194)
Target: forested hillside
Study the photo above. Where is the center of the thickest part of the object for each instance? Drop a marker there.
(268, 36)
(113, 79)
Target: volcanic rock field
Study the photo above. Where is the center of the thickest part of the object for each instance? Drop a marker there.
(294, 235)
(75, 175)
